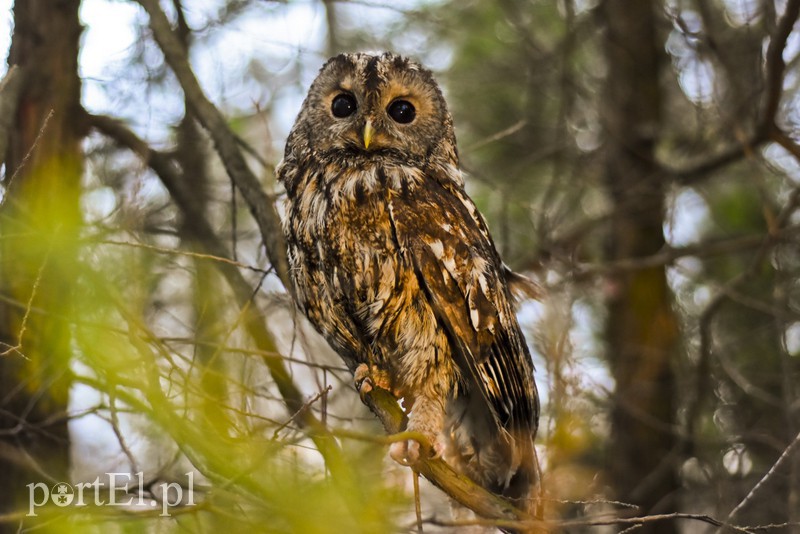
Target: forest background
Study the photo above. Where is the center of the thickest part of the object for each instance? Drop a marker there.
(639, 159)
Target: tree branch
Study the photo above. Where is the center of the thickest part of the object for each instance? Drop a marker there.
(460, 488)
(749, 497)
(165, 169)
(776, 67)
(774, 72)
(225, 142)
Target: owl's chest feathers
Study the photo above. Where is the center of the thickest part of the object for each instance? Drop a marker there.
(342, 222)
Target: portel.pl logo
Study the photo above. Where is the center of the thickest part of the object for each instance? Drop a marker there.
(122, 489)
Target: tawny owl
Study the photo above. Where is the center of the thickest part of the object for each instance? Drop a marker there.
(393, 264)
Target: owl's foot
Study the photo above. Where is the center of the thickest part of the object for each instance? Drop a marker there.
(427, 418)
(409, 451)
(366, 378)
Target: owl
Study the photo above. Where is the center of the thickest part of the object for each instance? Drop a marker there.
(393, 264)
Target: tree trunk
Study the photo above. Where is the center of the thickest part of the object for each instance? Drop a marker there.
(40, 220)
(642, 327)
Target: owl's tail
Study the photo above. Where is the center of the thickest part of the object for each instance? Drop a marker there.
(503, 462)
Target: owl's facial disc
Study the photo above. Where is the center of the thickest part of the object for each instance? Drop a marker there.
(378, 106)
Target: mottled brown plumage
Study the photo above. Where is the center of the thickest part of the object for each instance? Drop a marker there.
(393, 264)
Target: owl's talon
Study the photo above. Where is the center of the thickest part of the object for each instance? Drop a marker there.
(399, 452)
(367, 378)
(408, 452)
(362, 380)
(437, 450)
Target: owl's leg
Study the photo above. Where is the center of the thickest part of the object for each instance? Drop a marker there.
(427, 418)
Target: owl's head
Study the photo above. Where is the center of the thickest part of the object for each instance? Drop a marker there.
(375, 106)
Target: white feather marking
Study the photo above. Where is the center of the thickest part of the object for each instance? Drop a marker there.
(437, 247)
(474, 317)
(450, 264)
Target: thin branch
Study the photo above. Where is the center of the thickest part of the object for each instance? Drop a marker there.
(457, 486)
(787, 452)
(303, 408)
(774, 72)
(225, 142)
(635, 521)
(24, 323)
(775, 66)
(28, 154)
(669, 254)
(187, 253)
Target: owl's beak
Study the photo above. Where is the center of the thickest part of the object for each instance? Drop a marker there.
(369, 132)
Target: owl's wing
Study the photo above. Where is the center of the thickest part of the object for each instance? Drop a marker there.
(459, 270)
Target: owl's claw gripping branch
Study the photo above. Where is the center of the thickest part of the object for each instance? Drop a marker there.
(366, 378)
(409, 452)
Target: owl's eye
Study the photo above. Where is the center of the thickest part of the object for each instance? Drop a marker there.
(343, 106)
(402, 111)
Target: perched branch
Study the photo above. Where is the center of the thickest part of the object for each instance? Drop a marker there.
(457, 486)
(225, 142)
(704, 249)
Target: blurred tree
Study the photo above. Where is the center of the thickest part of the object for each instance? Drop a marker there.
(38, 256)
(644, 450)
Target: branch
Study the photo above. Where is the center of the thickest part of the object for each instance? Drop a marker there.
(775, 66)
(201, 229)
(460, 488)
(749, 497)
(704, 249)
(774, 72)
(225, 142)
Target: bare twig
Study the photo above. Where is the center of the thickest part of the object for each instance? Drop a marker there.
(114, 420)
(25, 159)
(187, 253)
(302, 409)
(225, 142)
(669, 254)
(24, 323)
(604, 521)
(775, 65)
(787, 452)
